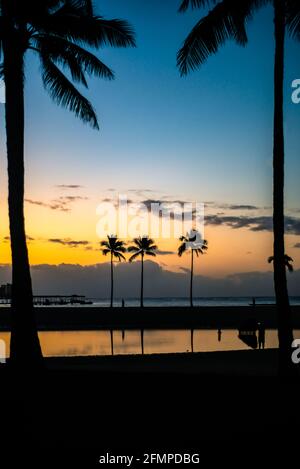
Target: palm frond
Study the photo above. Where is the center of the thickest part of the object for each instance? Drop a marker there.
(119, 256)
(293, 18)
(181, 249)
(105, 251)
(150, 253)
(120, 248)
(94, 31)
(226, 21)
(195, 4)
(81, 7)
(67, 53)
(134, 256)
(133, 249)
(64, 93)
(104, 243)
(287, 262)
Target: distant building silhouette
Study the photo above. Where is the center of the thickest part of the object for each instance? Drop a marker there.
(5, 291)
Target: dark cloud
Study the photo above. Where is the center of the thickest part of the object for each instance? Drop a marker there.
(164, 253)
(54, 205)
(68, 242)
(62, 204)
(72, 198)
(69, 186)
(242, 207)
(260, 223)
(94, 281)
(141, 192)
(29, 238)
(166, 202)
(297, 245)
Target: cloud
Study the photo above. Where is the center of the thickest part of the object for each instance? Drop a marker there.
(72, 198)
(242, 207)
(69, 186)
(259, 223)
(29, 238)
(68, 242)
(62, 204)
(165, 202)
(54, 205)
(297, 245)
(164, 253)
(94, 281)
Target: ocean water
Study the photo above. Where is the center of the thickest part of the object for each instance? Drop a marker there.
(179, 302)
(203, 301)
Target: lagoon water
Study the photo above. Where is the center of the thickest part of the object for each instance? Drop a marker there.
(182, 302)
(84, 343)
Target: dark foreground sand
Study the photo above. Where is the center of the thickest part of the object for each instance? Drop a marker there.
(232, 363)
(228, 406)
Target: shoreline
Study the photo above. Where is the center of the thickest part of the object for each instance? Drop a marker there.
(51, 318)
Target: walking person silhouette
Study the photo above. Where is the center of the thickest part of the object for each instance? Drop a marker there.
(261, 336)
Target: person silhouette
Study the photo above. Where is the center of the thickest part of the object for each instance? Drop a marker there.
(261, 336)
(219, 335)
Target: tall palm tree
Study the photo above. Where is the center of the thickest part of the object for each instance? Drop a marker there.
(228, 20)
(57, 31)
(115, 248)
(187, 244)
(143, 246)
(287, 260)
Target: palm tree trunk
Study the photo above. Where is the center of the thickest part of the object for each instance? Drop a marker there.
(285, 331)
(191, 281)
(25, 348)
(142, 282)
(112, 341)
(142, 341)
(111, 280)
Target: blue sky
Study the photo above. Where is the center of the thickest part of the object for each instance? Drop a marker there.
(195, 132)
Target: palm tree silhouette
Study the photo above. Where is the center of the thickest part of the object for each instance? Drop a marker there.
(228, 20)
(143, 246)
(115, 248)
(287, 260)
(187, 244)
(57, 31)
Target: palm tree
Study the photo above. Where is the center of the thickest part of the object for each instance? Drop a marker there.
(228, 20)
(287, 260)
(57, 31)
(187, 244)
(143, 246)
(115, 248)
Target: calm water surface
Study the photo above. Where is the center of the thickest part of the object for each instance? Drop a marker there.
(80, 343)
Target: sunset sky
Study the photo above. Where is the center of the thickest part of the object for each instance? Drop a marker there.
(204, 138)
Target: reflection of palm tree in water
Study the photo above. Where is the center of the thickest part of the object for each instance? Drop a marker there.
(261, 335)
(219, 335)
